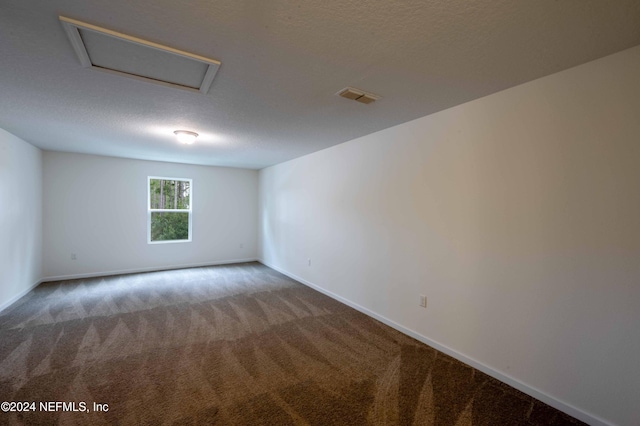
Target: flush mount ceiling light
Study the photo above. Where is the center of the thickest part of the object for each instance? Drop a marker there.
(106, 50)
(185, 136)
(358, 95)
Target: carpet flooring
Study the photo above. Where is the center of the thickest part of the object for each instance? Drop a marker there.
(235, 344)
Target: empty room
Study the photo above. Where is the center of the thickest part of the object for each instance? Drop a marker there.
(320, 213)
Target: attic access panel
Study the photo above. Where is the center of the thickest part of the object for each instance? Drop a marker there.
(106, 50)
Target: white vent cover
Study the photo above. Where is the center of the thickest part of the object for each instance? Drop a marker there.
(106, 50)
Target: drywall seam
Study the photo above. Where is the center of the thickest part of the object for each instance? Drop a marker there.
(150, 269)
(515, 383)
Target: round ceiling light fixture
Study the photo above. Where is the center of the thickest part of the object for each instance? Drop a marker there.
(186, 137)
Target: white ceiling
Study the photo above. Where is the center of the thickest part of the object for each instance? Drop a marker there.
(273, 98)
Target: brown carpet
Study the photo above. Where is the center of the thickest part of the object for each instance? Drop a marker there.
(235, 344)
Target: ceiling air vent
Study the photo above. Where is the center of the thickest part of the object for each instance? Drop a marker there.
(106, 50)
(358, 95)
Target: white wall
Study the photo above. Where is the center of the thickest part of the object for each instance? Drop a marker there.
(20, 217)
(96, 207)
(518, 215)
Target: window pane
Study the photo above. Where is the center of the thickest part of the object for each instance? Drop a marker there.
(168, 226)
(169, 194)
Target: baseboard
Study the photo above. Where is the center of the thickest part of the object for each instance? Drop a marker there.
(18, 296)
(149, 269)
(505, 378)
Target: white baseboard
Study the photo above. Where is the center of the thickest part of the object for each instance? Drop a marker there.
(149, 269)
(18, 296)
(505, 378)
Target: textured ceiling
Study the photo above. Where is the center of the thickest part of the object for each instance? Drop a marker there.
(273, 98)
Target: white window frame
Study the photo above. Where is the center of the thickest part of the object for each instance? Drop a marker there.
(149, 210)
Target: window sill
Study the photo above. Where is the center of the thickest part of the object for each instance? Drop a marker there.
(169, 241)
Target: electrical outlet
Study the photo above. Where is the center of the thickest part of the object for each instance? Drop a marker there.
(73, 256)
(423, 300)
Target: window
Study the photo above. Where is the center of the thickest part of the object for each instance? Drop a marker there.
(169, 210)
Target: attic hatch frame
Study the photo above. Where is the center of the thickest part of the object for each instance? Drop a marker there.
(72, 28)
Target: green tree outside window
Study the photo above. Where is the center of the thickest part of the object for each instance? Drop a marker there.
(169, 211)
